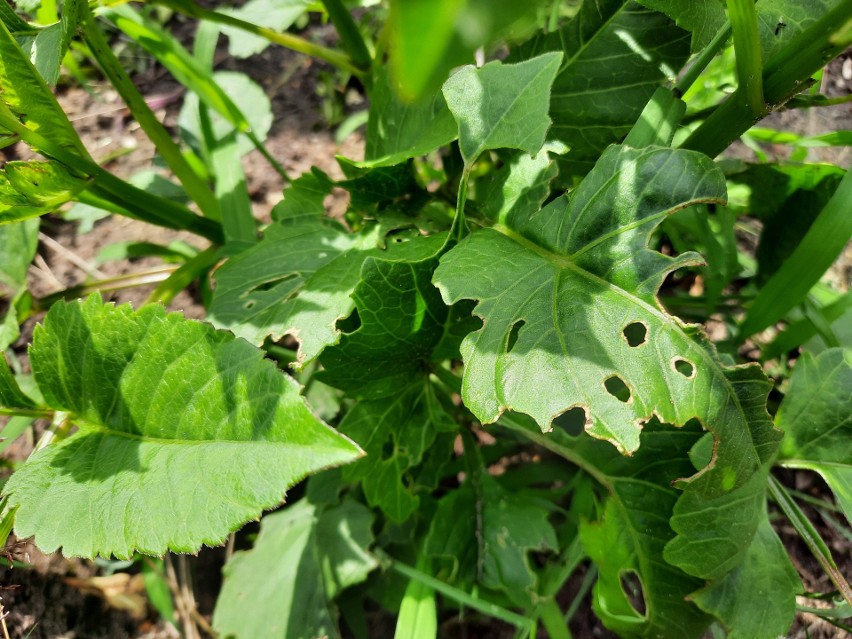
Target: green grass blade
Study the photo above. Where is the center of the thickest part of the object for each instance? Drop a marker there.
(418, 618)
(457, 595)
(189, 71)
(810, 536)
(815, 254)
(195, 186)
(743, 16)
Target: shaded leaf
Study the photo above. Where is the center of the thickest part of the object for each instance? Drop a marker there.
(816, 417)
(616, 55)
(18, 244)
(399, 130)
(757, 599)
(304, 556)
(633, 531)
(395, 433)
(703, 18)
(185, 433)
(502, 105)
(487, 533)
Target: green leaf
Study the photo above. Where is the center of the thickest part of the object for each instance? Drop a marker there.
(816, 417)
(384, 354)
(11, 395)
(395, 433)
(487, 532)
(703, 18)
(304, 556)
(399, 130)
(780, 21)
(185, 433)
(557, 290)
(630, 537)
(580, 274)
(299, 279)
(502, 105)
(27, 101)
(277, 15)
(18, 244)
(616, 55)
(47, 184)
(757, 599)
(521, 185)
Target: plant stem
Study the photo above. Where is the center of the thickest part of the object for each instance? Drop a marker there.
(287, 40)
(743, 17)
(784, 75)
(38, 413)
(702, 60)
(195, 187)
(350, 36)
(810, 536)
(184, 276)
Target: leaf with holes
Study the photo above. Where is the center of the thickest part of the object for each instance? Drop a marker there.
(177, 423)
(567, 296)
(616, 55)
(304, 556)
(816, 417)
(638, 593)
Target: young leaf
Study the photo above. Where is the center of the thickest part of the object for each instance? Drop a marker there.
(303, 557)
(502, 105)
(616, 54)
(487, 533)
(757, 599)
(703, 18)
(185, 433)
(815, 418)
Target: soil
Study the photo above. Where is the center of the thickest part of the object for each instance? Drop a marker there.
(55, 598)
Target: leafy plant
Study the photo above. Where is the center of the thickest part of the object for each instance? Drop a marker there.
(505, 267)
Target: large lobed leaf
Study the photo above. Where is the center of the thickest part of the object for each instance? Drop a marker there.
(567, 296)
(816, 417)
(185, 433)
(616, 53)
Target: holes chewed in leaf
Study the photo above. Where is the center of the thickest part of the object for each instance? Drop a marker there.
(268, 286)
(632, 587)
(513, 335)
(683, 367)
(349, 324)
(572, 421)
(635, 333)
(616, 387)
